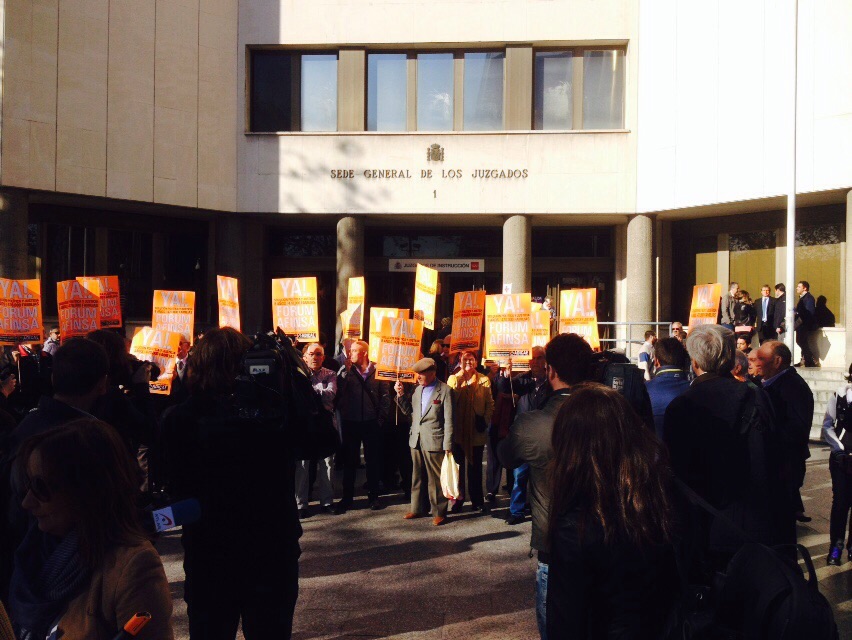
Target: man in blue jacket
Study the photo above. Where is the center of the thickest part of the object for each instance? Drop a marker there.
(805, 323)
(669, 380)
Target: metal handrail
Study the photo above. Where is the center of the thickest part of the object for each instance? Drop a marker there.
(629, 340)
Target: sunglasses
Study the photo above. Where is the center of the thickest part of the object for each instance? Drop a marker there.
(39, 488)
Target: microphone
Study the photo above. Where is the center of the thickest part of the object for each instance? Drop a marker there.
(133, 626)
(177, 514)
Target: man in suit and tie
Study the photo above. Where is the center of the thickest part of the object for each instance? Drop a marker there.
(430, 438)
(765, 309)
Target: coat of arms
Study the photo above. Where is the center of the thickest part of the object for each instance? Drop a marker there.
(435, 153)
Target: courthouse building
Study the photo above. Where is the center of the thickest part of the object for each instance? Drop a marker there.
(636, 147)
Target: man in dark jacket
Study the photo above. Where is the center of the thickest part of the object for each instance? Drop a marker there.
(669, 381)
(779, 319)
(793, 402)
(359, 402)
(805, 323)
(568, 358)
(722, 446)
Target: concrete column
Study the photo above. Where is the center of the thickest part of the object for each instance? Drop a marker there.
(350, 260)
(641, 298)
(517, 253)
(723, 261)
(847, 302)
(519, 87)
(14, 211)
(238, 241)
(663, 267)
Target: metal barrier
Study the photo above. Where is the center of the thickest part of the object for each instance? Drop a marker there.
(630, 341)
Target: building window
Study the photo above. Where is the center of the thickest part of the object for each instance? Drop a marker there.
(483, 91)
(818, 260)
(752, 261)
(319, 92)
(553, 90)
(435, 91)
(293, 91)
(603, 89)
(387, 89)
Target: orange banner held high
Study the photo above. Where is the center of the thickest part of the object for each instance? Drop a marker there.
(294, 307)
(399, 349)
(705, 304)
(229, 301)
(507, 327)
(468, 315)
(174, 311)
(20, 312)
(109, 300)
(79, 308)
(376, 316)
(578, 314)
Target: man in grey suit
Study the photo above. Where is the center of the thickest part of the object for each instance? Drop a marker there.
(430, 438)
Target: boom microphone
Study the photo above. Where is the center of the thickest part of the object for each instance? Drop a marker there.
(177, 514)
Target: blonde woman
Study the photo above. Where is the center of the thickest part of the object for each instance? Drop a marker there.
(474, 406)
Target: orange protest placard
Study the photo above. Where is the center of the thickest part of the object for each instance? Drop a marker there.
(399, 349)
(376, 315)
(20, 312)
(507, 327)
(425, 291)
(540, 327)
(468, 314)
(174, 311)
(78, 306)
(705, 304)
(109, 300)
(578, 314)
(159, 347)
(354, 326)
(294, 307)
(229, 301)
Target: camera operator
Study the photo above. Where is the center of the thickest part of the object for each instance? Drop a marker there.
(241, 557)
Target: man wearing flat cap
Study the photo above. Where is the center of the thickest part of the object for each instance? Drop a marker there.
(430, 438)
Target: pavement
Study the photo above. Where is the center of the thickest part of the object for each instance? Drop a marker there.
(371, 574)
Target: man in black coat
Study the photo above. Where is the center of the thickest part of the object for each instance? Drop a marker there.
(805, 323)
(779, 318)
(765, 312)
(793, 402)
(715, 432)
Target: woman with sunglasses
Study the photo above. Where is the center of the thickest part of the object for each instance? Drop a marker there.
(612, 571)
(85, 566)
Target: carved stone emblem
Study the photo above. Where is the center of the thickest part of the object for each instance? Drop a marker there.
(435, 153)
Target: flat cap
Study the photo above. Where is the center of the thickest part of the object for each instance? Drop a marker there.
(424, 364)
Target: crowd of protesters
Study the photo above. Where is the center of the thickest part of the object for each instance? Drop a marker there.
(613, 493)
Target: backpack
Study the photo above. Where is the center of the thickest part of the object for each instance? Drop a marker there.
(762, 595)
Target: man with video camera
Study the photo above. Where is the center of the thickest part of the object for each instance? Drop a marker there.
(232, 446)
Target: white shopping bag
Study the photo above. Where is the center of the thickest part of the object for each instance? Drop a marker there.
(450, 478)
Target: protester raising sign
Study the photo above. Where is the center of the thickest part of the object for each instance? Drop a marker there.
(109, 300)
(159, 347)
(229, 301)
(20, 312)
(468, 312)
(507, 327)
(578, 314)
(174, 311)
(705, 304)
(353, 327)
(376, 315)
(78, 307)
(425, 291)
(294, 307)
(399, 349)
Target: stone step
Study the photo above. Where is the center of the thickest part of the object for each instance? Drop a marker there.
(822, 373)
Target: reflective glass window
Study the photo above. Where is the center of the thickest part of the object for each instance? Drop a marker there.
(483, 91)
(553, 90)
(319, 92)
(603, 89)
(435, 92)
(386, 91)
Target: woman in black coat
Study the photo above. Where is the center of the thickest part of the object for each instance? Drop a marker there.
(612, 571)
